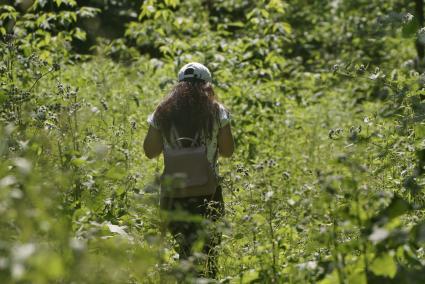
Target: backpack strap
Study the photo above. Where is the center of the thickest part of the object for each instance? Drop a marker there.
(178, 140)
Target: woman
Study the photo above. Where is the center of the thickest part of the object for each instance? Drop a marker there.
(191, 110)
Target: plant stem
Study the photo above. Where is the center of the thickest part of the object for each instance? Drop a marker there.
(75, 124)
(272, 237)
(36, 81)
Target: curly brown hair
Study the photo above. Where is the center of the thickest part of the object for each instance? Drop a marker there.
(191, 107)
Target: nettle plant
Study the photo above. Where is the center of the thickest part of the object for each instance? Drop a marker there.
(20, 75)
(48, 27)
(59, 164)
(52, 111)
(374, 227)
(36, 39)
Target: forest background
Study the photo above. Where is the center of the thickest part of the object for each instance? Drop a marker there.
(327, 101)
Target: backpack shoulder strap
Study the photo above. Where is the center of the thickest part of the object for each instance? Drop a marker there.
(179, 139)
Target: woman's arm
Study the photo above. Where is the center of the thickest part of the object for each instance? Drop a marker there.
(226, 145)
(153, 143)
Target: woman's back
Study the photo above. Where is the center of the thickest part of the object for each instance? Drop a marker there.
(205, 136)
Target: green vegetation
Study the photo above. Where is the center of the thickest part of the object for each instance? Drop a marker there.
(327, 98)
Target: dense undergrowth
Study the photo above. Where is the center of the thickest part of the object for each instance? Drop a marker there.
(326, 185)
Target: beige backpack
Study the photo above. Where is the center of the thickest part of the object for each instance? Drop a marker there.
(187, 172)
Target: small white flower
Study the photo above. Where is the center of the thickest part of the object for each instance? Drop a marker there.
(409, 64)
(7, 181)
(22, 252)
(77, 245)
(422, 79)
(268, 195)
(407, 18)
(23, 165)
(379, 234)
(421, 35)
(311, 265)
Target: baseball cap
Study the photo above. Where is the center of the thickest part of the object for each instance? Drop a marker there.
(195, 70)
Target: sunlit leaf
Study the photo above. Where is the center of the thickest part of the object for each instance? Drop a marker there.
(384, 265)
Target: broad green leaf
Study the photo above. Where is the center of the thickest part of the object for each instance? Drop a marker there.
(78, 162)
(116, 173)
(277, 5)
(172, 3)
(331, 278)
(51, 264)
(79, 34)
(7, 8)
(384, 266)
(420, 130)
(247, 277)
(237, 24)
(88, 12)
(397, 207)
(359, 277)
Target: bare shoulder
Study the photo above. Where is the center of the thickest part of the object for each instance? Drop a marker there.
(223, 115)
(225, 141)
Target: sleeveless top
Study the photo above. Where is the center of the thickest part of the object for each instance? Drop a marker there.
(211, 143)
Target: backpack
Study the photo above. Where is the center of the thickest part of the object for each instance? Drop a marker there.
(187, 171)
